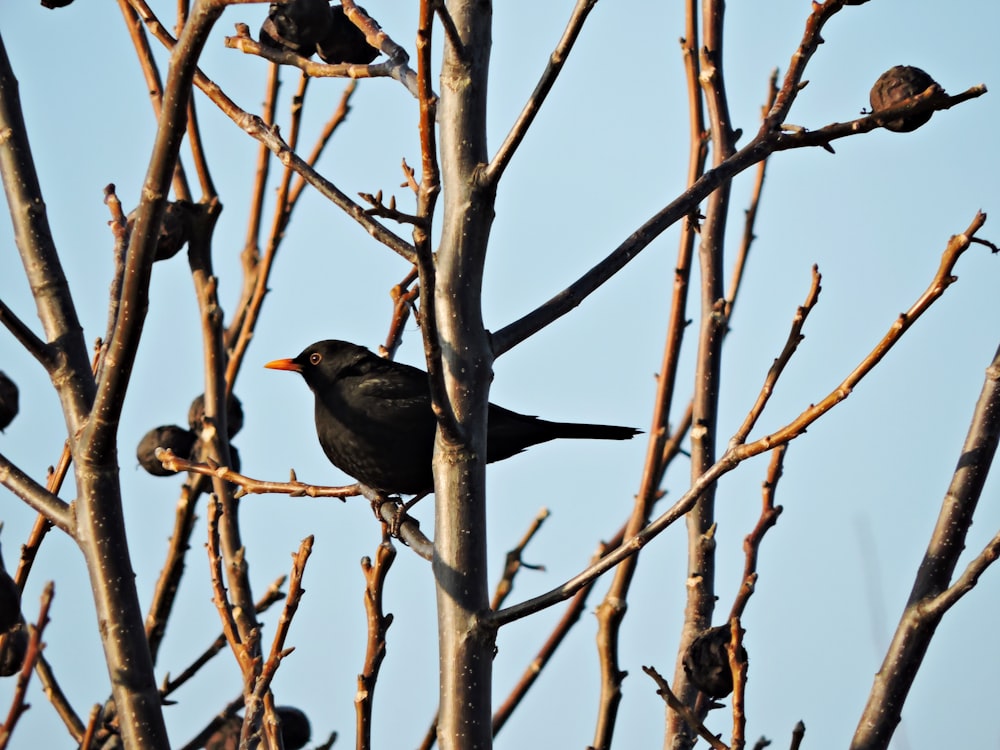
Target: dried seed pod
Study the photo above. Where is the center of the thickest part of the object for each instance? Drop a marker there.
(295, 728)
(175, 229)
(234, 414)
(226, 736)
(345, 42)
(296, 25)
(177, 439)
(892, 87)
(8, 401)
(295, 731)
(10, 600)
(706, 662)
(15, 648)
(55, 3)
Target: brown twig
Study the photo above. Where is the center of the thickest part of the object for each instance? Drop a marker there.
(219, 595)
(533, 671)
(267, 135)
(272, 595)
(58, 699)
(751, 544)
(248, 485)
(513, 562)
(260, 699)
(257, 270)
(154, 83)
(395, 68)
(933, 591)
(791, 344)
(93, 721)
(494, 171)
(29, 550)
(738, 668)
(33, 651)
(403, 298)
(750, 219)
(735, 455)
(798, 733)
(389, 211)
(682, 710)
(378, 624)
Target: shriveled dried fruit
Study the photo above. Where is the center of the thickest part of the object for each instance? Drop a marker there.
(296, 25)
(15, 648)
(892, 87)
(177, 439)
(706, 662)
(10, 601)
(295, 731)
(345, 42)
(234, 414)
(8, 401)
(295, 728)
(174, 229)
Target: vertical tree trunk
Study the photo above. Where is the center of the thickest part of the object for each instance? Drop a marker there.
(466, 647)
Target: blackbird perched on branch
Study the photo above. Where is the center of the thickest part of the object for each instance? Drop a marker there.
(374, 418)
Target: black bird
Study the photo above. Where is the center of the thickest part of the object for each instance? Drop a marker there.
(374, 418)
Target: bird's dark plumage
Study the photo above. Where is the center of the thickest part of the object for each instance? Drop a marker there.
(374, 418)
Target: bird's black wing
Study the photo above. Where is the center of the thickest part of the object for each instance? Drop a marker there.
(394, 386)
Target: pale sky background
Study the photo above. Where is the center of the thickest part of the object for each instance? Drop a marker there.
(861, 490)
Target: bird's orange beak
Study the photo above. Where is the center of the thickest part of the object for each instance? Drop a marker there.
(284, 364)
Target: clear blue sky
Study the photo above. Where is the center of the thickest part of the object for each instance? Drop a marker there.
(861, 491)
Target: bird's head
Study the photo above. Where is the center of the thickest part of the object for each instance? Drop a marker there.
(322, 362)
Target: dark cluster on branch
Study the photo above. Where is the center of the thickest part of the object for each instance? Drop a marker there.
(13, 633)
(306, 27)
(295, 731)
(8, 401)
(706, 662)
(186, 442)
(896, 85)
(175, 229)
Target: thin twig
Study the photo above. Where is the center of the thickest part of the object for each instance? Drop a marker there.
(933, 591)
(248, 485)
(751, 544)
(31, 655)
(272, 595)
(514, 563)
(378, 624)
(574, 610)
(531, 108)
(260, 698)
(675, 704)
(395, 68)
(738, 668)
(791, 344)
(736, 455)
(267, 135)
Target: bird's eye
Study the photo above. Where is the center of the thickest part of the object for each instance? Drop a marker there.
(315, 358)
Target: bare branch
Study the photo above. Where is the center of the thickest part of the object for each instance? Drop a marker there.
(248, 485)
(31, 656)
(689, 717)
(395, 68)
(531, 108)
(378, 624)
(736, 455)
(933, 593)
(56, 511)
